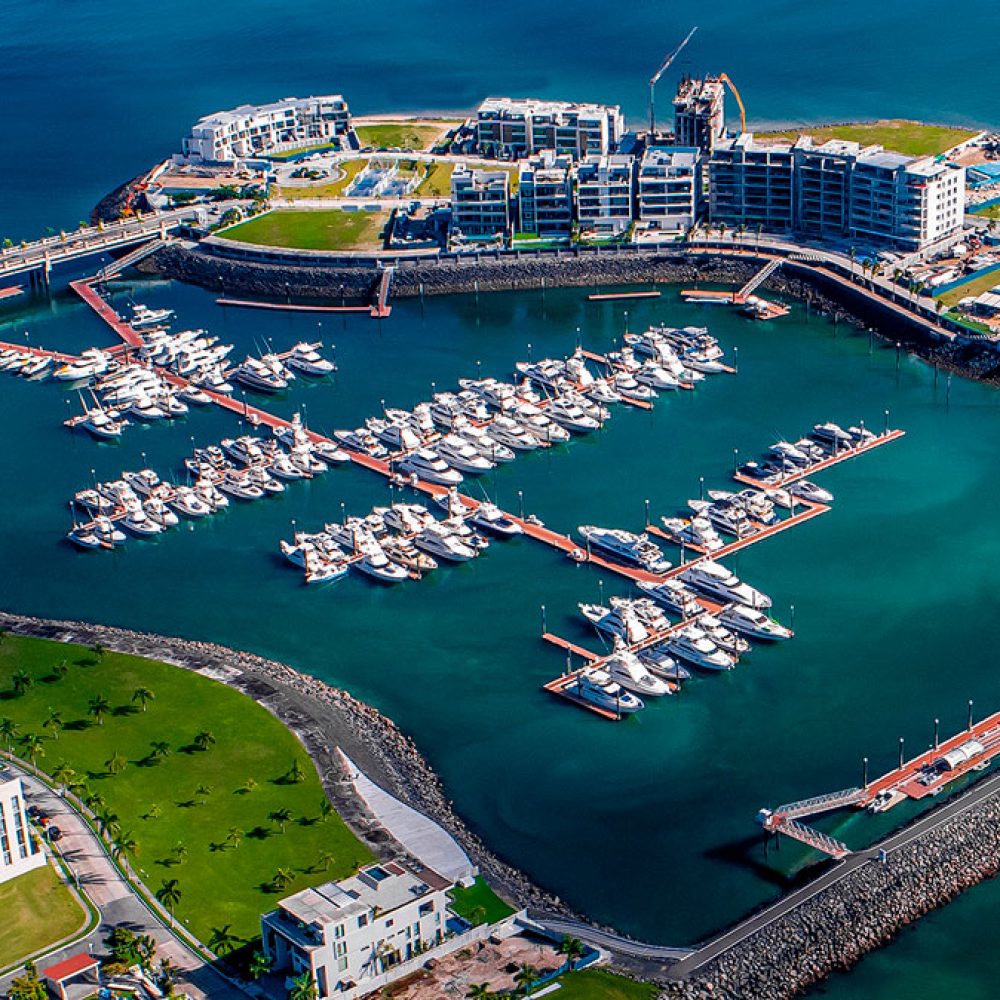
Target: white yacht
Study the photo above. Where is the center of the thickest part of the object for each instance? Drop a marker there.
(305, 358)
(430, 467)
(596, 687)
(630, 672)
(806, 490)
(441, 541)
(187, 502)
(395, 436)
(716, 581)
(832, 436)
(655, 376)
(726, 639)
(623, 545)
(461, 455)
(659, 662)
(240, 487)
(490, 518)
(674, 596)
(487, 446)
(137, 521)
(407, 518)
(157, 509)
(499, 395)
(614, 623)
(510, 434)
(694, 647)
(538, 424)
(628, 387)
(360, 440)
(571, 415)
(144, 316)
(102, 424)
(754, 624)
(644, 608)
(602, 391)
(107, 534)
(698, 531)
(376, 564)
(256, 374)
(407, 555)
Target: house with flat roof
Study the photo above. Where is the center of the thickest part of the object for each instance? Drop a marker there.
(605, 194)
(19, 852)
(356, 931)
(545, 194)
(480, 202)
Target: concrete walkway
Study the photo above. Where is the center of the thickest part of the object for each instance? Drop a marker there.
(101, 882)
(421, 836)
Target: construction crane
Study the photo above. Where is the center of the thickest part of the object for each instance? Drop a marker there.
(723, 78)
(656, 76)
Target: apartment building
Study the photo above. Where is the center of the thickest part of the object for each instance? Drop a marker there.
(545, 194)
(513, 129)
(262, 130)
(750, 184)
(700, 113)
(18, 851)
(480, 202)
(823, 186)
(605, 194)
(670, 190)
(345, 933)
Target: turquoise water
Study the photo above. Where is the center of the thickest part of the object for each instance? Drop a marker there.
(894, 590)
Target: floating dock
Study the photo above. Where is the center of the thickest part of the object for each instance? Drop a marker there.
(615, 296)
(85, 289)
(290, 306)
(11, 291)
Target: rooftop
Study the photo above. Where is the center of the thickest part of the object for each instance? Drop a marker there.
(496, 105)
(245, 110)
(670, 156)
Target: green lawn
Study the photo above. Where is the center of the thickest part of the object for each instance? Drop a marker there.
(437, 181)
(299, 150)
(911, 138)
(38, 910)
(599, 984)
(399, 135)
(988, 211)
(975, 287)
(479, 897)
(312, 230)
(334, 189)
(202, 817)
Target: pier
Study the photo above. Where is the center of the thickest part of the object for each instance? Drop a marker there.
(615, 296)
(85, 289)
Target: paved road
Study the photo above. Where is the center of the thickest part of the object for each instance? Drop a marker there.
(115, 900)
(982, 790)
(610, 941)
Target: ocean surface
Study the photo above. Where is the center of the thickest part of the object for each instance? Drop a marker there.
(894, 591)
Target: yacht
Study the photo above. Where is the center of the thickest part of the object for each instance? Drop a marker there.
(832, 437)
(674, 596)
(441, 541)
(806, 490)
(360, 440)
(461, 455)
(694, 647)
(329, 452)
(628, 387)
(108, 536)
(597, 688)
(716, 581)
(753, 624)
(487, 446)
(257, 475)
(92, 362)
(136, 521)
(256, 374)
(240, 487)
(659, 662)
(490, 518)
(144, 316)
(187, 502)
(192, 394)
(247, 449)
(305, 358)
(624, 545)
(728, 641)
(320, 569)
(93, 501)
(698, 531)
(430, 467)
(376, 564)
(510, 434)
(631, 673)
(142, 482)
(395, 436)
(105, 425)
(655, 376)
(84, 537)
(539, 424)
(601, 391)
(407, 555)
(146, 409)
(499, 395)
(548, 373)
(38, 365)
(788, 455)
(284, 468)
(407, 518)
(210, 494)
(727, 517)
(618, 624)
(157, 510)
(643, 608)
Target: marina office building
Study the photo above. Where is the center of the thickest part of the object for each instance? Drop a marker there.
(18, 851)
(670, 188)
(480, 202)
(545, 194)
(345, 933)
(517, 128)
(259, 130)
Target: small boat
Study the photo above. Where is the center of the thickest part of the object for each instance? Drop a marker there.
(805, 490)
(597, 688)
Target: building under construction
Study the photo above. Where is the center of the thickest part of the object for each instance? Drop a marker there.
(700, 112)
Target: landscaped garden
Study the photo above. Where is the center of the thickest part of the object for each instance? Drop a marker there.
(212, 800)
(399, 135)
(898, 135)
(302, 229)
(479, 904)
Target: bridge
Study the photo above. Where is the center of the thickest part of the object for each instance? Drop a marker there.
(42, 255)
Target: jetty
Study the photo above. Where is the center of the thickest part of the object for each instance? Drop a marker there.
(744, 297)
(615, 296)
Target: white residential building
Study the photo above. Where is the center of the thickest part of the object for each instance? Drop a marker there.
(480, 202)
(262, 130)
(344, 933)
(19, 853)
(823, 185)
(605, 194)
(670, 188)
(545, 194)
(515, 128)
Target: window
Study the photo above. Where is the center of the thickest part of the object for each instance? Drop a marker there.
(363, 920)
(342, 964)
(338, 931)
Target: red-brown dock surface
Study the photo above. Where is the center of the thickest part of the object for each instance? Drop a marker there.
(86, 291)
(612, 296)
(38, 352)
(11, 291)
(291, 307)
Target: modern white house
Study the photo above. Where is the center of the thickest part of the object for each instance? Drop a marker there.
(19, 853)
(670, 188)
(355, 932)
(515, 128)
(545, 194)
(267, 129)
(605, 194)
(480, 202)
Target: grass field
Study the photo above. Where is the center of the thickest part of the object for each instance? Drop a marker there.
(299, 150)
(975, 287)
(479, 904)
(437, 181)
(399, 135)
(911, 138)
(988, 211)
(598, 984)
(38, 910)
(209, 818)
(311, 230)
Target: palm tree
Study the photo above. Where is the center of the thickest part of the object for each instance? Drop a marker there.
(853, 254)
(98, 650)
(107, 822)
(98, 707)
(63, 774)
(116, 763)
(31, 745)
(159, 749)
(280, 816)
(204, 740)
(249, 785)
(95, 801)
(124, 843)
(303, 988)
(222, 941)
(282, 878)
(478, 991)
(573, 948)
(169, 894)
(325, 810)
(326, 859)
(60, 670)
(235, 836)
(525, 976)
(260, 964)
(143, 696)
(8, 730)
(53, 723)
(295, 772)
(179, 852)
(21, 682)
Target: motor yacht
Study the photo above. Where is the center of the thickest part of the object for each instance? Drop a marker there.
(429, 466)
(696, 531)
(674, 596)
(360, 440)
(256, 374)
(806, 490)
(395, 436)
(631, 673)
(377, 565)
(832, 436)
(601, 391)
(510, 434)
(142, 482)
(320, 569)
(187, 502)
(628, 387)
(539, 424)
(727, 517)
(693, 646)
(407, 518)
(461, 455)
(597, 688)
(143, 316)
(192, 394)
(618, 624)
(548, 373)
(210, 494)
(643, 608)
(260, 476)
(100, 424)
(717, 581)
(306, 359)
(108, 536)
(442, 541)
(138, 522)
(329, 452)
(93, 501)
(485, 445)
(83, 536)
(156, 509)
(248, 450)
(36, 366)
(499, 395)
(282, 467)
(659, 662)
(407, 555)
(240, 487)
(625, 546)
(491, 519)
(146, 409)
(753, 624)
(727, 640)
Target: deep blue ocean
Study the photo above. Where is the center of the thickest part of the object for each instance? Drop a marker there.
(895, 589)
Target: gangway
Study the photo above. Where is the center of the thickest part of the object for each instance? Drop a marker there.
(381, 307)
(132, 257)
(811, 837)
(820, 803)
(757, 280)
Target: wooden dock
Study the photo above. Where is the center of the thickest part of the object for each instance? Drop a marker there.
(39, 352)
(11, 291)
(85, 289)
(290, 306)
(615, 296)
